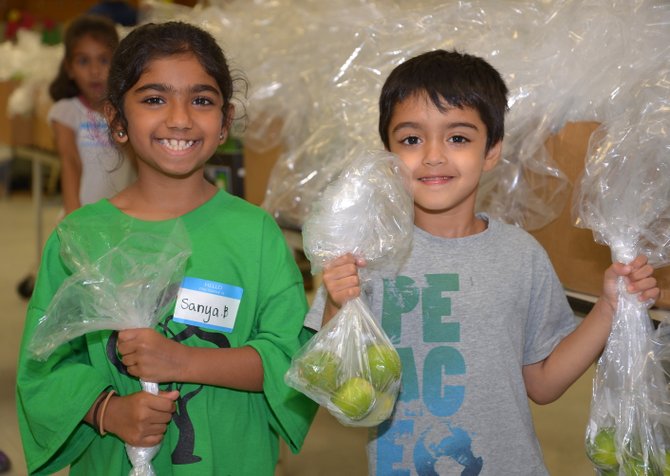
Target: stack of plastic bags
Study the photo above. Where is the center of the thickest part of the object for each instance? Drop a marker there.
(133, 284)
(350, 366)
(624, 197)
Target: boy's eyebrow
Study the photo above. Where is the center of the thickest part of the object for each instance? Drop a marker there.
(416, 125)
(162, 87)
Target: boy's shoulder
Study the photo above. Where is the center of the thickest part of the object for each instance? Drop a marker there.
(513, 235)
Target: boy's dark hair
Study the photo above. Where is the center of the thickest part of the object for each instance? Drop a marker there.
(461, 80)
(97, 27)
(160, 40)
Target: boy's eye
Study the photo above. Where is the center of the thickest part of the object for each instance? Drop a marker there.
(458, 139)
(410, 140)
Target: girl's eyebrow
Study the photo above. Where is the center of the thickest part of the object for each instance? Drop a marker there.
(164, 88)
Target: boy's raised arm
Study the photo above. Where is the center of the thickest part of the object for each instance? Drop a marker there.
(548, 379)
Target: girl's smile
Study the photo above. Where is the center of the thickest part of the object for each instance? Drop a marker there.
(175, 121)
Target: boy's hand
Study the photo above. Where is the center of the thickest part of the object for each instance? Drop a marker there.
(140, 419)
(340, 278)
(638, 277)
(151, 356)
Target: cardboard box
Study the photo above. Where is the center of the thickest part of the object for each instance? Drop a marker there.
(579, 261)
(41, 129)
(258, 165)
(16, 130)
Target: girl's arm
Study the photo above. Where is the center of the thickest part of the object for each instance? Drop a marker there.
(549, 379)
(66, 146)
(149, 355)
(139, 419)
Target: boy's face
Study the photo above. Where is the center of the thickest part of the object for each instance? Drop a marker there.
(445, 153)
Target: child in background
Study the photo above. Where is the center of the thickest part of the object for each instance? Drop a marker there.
(223, 403)
(477, 313)
(91, 167)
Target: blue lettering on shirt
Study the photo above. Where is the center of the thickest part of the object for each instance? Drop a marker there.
(435, 388)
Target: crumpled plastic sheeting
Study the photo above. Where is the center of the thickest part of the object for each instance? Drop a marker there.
(315, 70)
(624, 198)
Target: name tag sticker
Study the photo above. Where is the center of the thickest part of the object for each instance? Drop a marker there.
(207, 304)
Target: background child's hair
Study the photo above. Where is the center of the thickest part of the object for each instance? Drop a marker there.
(97, 27)
(461, 80)
(160, 40)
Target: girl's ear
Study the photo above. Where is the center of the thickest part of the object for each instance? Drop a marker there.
(227, 121)
(493, 156)
(119, 134)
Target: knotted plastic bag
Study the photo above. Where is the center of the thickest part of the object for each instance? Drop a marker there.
(350, 366)
(132, 284)
(624, 197)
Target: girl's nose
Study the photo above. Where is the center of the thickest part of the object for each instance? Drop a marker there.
(178, 116)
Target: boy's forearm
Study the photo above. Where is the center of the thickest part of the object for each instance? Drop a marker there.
(549, 379)
(329, 311)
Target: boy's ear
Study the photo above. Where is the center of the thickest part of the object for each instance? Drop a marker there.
(493, 156)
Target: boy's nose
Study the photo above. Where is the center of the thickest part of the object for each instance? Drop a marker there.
(435, 154)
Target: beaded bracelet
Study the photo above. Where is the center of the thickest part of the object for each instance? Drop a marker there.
(101, 422)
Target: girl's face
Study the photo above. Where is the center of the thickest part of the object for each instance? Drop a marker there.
(446, 153)
(174, 116)
(88, 67)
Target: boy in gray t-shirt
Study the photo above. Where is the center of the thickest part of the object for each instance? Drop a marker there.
(476, 313)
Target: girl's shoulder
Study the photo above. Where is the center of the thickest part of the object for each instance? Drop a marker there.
(69, 111)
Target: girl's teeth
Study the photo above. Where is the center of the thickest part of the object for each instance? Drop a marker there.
(175, 144)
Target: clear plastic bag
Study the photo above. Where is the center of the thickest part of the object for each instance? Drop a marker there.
(624, 197)
(350, 366)
(132, 284)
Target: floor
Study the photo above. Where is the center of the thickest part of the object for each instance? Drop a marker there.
(331, 449)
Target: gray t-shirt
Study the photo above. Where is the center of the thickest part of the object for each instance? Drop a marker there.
(465, 316)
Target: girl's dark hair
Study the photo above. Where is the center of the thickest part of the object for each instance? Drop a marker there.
(460, 80)
(97, 27)
(153, 41)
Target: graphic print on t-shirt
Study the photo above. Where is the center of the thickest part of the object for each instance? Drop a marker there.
(184, 451)
(422, 437)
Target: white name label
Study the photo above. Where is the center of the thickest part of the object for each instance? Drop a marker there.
(207, 304)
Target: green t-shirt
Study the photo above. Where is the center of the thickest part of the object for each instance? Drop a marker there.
(215, 430)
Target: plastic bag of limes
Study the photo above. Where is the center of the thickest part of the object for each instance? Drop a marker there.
(350, 367)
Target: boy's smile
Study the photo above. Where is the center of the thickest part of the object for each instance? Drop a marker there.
(446, 154)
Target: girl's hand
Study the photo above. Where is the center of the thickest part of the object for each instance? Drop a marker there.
(150, 356)
(638, 277)
(140, 419)
(340, 278)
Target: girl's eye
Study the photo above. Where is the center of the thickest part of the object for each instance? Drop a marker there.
(410, 140)
(153, 100)
(202, 101)
(458, 139)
